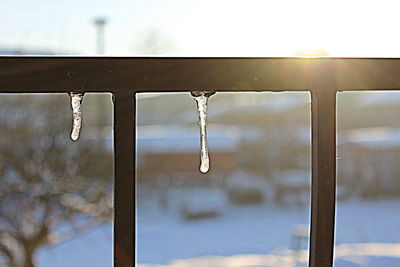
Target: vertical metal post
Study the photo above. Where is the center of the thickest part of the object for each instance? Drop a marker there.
(124, 187)
(323, 109)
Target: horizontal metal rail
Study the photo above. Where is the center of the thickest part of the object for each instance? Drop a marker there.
(124, 77)
(102, 74)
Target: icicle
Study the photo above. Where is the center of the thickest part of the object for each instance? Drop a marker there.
(201, 98)
(76, 105)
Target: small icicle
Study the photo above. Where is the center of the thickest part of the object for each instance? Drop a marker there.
(201, 98)
(76, 105)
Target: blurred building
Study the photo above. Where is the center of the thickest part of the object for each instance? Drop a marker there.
(174, 152)
(272, 141)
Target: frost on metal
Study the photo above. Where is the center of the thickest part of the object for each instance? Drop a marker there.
(201, 98)
(76, 105)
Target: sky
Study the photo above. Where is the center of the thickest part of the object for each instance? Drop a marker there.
(349, 28)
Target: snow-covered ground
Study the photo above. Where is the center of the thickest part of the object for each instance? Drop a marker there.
(162, 238)
(263, 235)
(367, 234)
(95, 248)
(366, 255)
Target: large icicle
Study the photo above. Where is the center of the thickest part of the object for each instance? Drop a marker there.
(201, 98)
(76, 105)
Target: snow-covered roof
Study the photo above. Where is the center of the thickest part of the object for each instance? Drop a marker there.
(381, 98)
(372, 137)
(178, 139)
(274, 103)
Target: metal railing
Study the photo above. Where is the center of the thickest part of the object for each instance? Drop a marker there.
(124, 77)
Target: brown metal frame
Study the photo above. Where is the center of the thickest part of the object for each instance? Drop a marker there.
(124, 77)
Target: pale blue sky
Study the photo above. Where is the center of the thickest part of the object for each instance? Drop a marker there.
(205, 27)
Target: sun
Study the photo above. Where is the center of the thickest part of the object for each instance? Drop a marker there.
(318, 52)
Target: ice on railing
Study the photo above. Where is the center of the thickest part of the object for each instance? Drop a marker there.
(76, 105)
(201, 98)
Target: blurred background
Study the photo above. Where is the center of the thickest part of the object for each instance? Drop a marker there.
(252, 208)
(55, 194)
(200, 28)
(255, 200)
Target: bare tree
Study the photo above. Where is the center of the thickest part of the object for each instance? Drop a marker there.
(51, 188)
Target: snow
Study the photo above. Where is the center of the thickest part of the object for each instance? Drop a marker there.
(199, 200)
(363, 255)
(368, 221)
(367, 234)
(91, 249)
(239, 231)
(250, 103)
(160, 139)
(184, 144)
(381, 98)
(377, 138)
